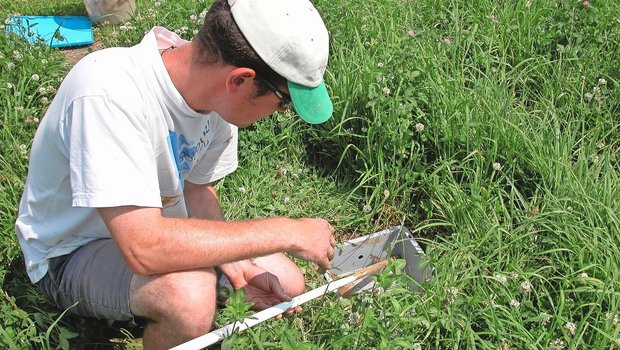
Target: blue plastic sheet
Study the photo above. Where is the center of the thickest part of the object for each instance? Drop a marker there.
(55, 31)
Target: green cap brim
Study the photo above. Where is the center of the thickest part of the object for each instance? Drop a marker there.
(311, 103)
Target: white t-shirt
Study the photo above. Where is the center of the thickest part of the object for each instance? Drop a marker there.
(117, 133)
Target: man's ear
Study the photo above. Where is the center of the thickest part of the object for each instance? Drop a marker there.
(238, 77)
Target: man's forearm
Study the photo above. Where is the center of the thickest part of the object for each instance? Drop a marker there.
(148, 240)
(152, 244)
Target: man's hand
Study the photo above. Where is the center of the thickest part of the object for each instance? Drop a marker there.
(315, 242)
(263, 289)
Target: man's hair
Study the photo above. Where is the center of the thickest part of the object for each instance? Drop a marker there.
(221, 41)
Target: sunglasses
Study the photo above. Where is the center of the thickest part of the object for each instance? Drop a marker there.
(285, 99)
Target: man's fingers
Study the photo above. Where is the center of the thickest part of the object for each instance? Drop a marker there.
(323, 266)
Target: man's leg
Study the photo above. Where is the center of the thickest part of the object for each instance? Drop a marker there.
(179, 306)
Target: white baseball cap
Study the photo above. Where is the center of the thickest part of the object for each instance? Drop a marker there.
(291, 38)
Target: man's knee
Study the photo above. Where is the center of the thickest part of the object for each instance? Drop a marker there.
(290, 276)
(185, 299)
(296, 284)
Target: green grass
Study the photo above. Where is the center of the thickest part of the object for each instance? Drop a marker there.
(491, 130)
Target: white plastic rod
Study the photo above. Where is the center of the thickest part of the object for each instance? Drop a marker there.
(220, 333)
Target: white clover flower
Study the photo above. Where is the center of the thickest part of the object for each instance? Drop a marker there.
(386, 193)
(366, 208)
(364, 129)
(515, 303)
(545, 318)
(36, 120)
(44, 100)
(286, 199)
(583, 275)
(503, 345)
(588, 96)
(616, 319)
(571, 327)
(602, 81)
(501, 278)
(42, 90)
(23, 149)
(526, 286)
(35, 77)
(453, 293)
(600, 145)
(419, 127)
(17, 94)
(195, 32)
(355, 318)
(19, 108)
(193, 18)
(241, 189)
(282, 171)
(594, 158)
(497, 166)
(557, 345)
(380, 64)
(528, 3)
(44, 61)
(386, 90)
(9, 86)
(10, 65)
(609, 316)
(514, 276)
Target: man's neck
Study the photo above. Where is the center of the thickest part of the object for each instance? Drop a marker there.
(198, 83)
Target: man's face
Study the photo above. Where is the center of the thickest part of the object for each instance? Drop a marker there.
(251, 108)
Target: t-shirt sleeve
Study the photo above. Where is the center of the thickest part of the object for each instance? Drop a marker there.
(220, 159)
(110, 155)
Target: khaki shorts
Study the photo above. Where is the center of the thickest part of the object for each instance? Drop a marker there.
(97, 278)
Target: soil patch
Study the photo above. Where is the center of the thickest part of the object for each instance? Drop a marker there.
(78, 52)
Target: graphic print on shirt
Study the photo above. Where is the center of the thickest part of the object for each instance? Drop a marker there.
(186, 150)
(185, 154)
